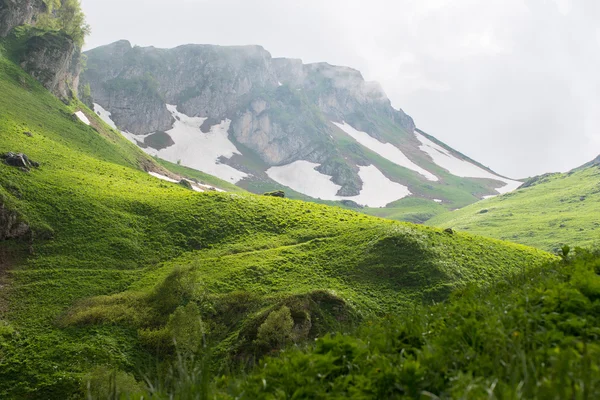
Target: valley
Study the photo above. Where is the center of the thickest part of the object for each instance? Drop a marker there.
(212, 222)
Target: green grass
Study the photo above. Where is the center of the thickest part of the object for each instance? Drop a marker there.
(534, 336)
(116, 253)
(561, 209)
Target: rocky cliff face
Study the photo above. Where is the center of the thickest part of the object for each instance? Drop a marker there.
(50, 57)
(317, 128)
(279, 108)
(14, 13)
(53, 59)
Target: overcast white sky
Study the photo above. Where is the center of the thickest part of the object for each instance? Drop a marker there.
(515, 84)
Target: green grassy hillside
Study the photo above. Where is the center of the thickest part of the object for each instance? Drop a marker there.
(120, 263)
(558, 209)
(535, 336)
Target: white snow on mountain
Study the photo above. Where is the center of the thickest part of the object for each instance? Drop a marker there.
(163, 177)
(302, 176)
(105, 115)
(386, 150)
(193, 148)
(82, 117)
(462, 168)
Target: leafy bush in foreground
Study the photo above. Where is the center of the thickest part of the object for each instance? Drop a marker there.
(534, 336)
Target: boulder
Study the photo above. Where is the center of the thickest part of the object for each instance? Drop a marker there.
(449, 230)
(186, 184)
(277, 193)
(19, 160)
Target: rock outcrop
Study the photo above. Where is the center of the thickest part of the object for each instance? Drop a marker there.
(280, 108)
(11, 227)
(53, 59)
(19, 160)
(14, 13)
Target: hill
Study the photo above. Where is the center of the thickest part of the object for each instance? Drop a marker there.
(103, 264)
(549, 211)
(318, 131)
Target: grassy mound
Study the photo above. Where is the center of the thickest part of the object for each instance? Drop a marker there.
(558, 209)
(534, 336)
(118, 261)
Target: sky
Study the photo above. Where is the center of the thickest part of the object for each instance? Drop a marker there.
(514, 84)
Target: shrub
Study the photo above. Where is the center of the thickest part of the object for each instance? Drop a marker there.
(66, 16)
(276, 331)
(186, 328)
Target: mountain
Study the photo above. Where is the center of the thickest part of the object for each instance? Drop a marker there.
(316, 130)
(549, 211)
(102, 264)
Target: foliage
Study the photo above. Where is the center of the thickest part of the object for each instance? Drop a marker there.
(66, 16)
(533, 336)
(186, 328)
(116, 253)
(276, 331)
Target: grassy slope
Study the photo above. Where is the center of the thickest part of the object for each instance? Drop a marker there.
(534, 336)
(564, 209)
(116, 229)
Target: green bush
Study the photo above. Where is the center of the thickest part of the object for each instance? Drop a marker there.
(186, 328)
(66, 16)
(276, 331)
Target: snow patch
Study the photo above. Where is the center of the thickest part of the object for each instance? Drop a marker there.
(198, 187)
(82, 117)
(104, 115)
(462, 168)
(198, 150)
(386, 150)
(163, 177)
(302, 176)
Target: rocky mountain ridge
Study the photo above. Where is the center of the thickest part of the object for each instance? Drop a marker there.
(315, 120)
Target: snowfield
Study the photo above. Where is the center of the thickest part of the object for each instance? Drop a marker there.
(82, 117)
(193, 148)
(385, 150)
(462, 168)
(302, 176)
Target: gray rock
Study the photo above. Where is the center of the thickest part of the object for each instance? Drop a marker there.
(19, 160)
(11, 227)
(279, 108)
(277, 193)
(186, 184)
(52, 58)
(14, 13)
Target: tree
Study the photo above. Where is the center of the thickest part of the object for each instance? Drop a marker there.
(66, 16)
(277, 328)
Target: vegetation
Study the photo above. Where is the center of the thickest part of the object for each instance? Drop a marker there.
(129, 287)
(534, 335)
(118, 259)
(557, 209)
(65, 16)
